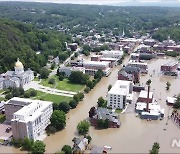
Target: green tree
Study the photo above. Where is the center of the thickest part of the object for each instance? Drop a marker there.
(78, 77)
(27, 144)
(64, 106)
(38, 147)
(109, 87)
(51, 81)
(67, 149)
(155, 148)
(33, 93)
(90, 84)
(87, 89)
(73, 104)
(58, 119)
(44, 73)
(83, 127)
(101, 102)
(99, 74)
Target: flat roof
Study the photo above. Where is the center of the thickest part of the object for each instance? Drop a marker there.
(121, 87)
(143, 94)
(95, 63)
(19, 101)
(171, 63)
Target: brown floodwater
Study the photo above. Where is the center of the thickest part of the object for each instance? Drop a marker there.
(134, 135)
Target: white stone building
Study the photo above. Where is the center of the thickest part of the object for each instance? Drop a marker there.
(30, 119)
(113, 54)
(69, 70)
(17, 78)
(120, 94)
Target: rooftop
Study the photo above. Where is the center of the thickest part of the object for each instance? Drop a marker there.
(172, 63)
(143, 94)
(121, 87)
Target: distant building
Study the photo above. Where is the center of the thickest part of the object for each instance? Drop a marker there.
(17, 78)
(68, 70)
(120, 94)
(113, 54)
(73, 46)
(91, 67)
(170, 101)
(105, 114)
(150, 42)
(130, 74)
(142, 66)
(169, 68)
(30, 118)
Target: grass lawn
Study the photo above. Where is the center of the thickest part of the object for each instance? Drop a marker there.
(118, 111)
(36, 79)
(51, 97)
(2, 118)
(63, 85)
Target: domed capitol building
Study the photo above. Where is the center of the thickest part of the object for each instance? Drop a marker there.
(16, 78)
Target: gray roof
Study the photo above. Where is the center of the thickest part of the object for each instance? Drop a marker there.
(103, 113)
(125, 74)
(14, 79)
(1, 79)
(130, 69)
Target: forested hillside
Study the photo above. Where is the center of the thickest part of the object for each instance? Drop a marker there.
(23, 41)
(82, 18)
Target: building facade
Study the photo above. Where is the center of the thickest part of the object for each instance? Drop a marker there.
(18, 77)
(30, 118)
(68, 70)
(120, 94)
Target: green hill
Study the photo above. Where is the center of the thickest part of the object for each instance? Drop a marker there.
(23, 41)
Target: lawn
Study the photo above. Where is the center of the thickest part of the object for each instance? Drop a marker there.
(63, 85)
(2, 118)
(2, 99)
(51, 97)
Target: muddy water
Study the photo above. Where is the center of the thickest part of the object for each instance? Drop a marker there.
(134, 135)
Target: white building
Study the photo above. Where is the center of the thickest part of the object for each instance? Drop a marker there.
(31, 119)
(91, 67)
(69, 70)
(17, 78)
(113, 54)
(120, 94)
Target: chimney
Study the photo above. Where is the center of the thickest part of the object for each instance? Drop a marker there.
(147, 107)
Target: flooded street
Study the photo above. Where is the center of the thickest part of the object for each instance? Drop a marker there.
(134, 135)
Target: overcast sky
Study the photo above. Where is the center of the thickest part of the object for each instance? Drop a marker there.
(105, 1)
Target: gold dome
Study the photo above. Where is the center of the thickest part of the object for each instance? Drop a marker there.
(18, 63)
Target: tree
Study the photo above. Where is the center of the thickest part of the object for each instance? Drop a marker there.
(155, 148)
(83, 127)
(90, 84)
(109, 87)
(81, 96)
(44, 73)
(33, 93)
(76, 98)
(89, 138)
(52, 66)
(177, 103)
(38, 147)
(103, 124)
(92, 112)
(101, 101)
(168, 84)
(148, 82)
(58, 119)
(73, 104)
(51, 81)
(76, 54)
(78, 77)
(64, 106)
(67, 149)
(27, 144)
(99, 74)
(87, 89)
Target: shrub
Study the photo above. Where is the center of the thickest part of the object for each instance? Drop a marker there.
(64, 106)
(87, 89)
(73, 104)
(83, 127)
(51, 81)
(67, 149)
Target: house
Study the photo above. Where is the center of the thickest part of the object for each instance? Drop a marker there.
(68, 70)
(73, 46)
(104, 114)
(80, 145)
(120, 94)
(113, 54)
(143, 97)
(169, 68)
